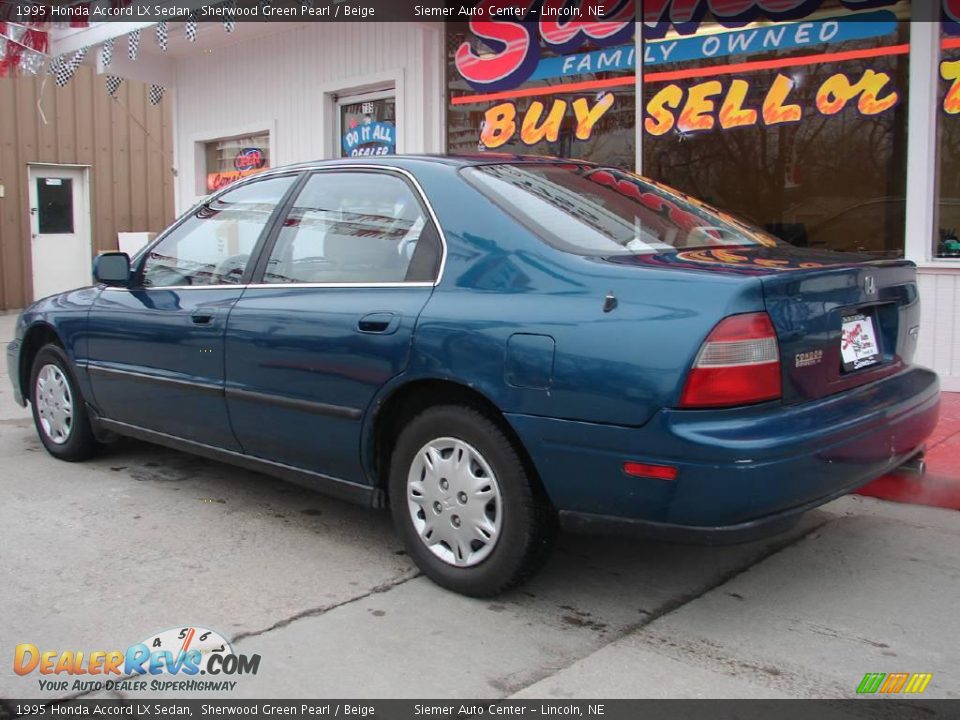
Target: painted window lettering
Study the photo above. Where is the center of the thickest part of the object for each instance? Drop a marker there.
(951, 8)
(516, 45)
(757, 39)
(950, 71)
(684, 16)
(500, 121)
(713, 103)
(373, 138)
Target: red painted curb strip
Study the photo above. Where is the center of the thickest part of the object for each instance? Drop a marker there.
(930, 490)
(940, 487)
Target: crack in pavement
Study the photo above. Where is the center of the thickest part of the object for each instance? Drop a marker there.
(665, 609)
(324, 609)
(309, 612)
(681, 600)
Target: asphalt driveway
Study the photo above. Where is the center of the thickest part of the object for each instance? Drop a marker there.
(103, 554)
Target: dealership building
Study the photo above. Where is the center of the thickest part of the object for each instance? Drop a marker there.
(830, 125)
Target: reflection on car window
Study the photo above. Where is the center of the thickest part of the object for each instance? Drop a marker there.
(213, 245)
(353, 227)
(591, 210)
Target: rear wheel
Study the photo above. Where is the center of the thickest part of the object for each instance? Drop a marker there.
(465, 506)
(59, 412)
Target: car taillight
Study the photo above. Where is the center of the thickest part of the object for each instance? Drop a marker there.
(738, 364)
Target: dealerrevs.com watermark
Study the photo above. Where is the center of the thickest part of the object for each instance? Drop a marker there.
(169, 661)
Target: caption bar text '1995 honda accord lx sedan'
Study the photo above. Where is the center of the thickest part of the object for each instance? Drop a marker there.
(493, 347)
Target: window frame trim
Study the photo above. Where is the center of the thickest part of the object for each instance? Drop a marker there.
(922, 197)
(139, 260)
(305, 171)
(405, 176)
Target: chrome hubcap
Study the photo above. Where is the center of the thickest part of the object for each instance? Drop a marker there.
(54, 404)
(454, 501)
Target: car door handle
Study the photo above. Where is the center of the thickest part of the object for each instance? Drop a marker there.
(203, 317)
(383, 323)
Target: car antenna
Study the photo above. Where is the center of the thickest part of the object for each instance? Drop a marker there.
(610, 302)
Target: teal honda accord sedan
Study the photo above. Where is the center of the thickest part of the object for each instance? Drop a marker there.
(494, 347)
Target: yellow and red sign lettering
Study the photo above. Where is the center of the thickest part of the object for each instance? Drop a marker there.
(534, 131)
(776, 110)
(500, 121)
(217, 180)
(732, 112)
(950, 71)
(709, 104)
(837, 91)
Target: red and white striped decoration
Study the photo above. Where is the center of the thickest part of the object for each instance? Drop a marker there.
(17, 40)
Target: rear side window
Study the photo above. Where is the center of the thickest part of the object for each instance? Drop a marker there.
(213, 245)
(589, 210)
(355, 227)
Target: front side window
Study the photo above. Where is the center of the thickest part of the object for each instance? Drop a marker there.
(355, 227)
(601, 211)
(213, 245)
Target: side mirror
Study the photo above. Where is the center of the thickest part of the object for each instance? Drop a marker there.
(112, 268)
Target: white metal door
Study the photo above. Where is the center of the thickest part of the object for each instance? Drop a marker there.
(59, 228)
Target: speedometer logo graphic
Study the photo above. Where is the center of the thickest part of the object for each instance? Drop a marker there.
(181, 640)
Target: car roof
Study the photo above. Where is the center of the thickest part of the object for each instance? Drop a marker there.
(455, 160)
(406, 162)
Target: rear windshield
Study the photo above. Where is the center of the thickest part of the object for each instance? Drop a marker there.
(590, 210)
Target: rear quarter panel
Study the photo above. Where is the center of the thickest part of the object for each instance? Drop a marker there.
(500, 280)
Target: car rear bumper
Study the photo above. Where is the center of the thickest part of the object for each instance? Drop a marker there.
(764, 527)
(744, 469)
(13, 370)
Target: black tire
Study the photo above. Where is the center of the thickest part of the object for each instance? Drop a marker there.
(78, 443)
(527, 521)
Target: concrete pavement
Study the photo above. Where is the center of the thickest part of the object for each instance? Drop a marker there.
(100, 555)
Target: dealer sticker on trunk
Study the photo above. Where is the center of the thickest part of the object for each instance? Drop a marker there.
(858, 342)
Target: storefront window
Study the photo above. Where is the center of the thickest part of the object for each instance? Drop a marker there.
(230, 159)
(797, 122)
(562, 87)
(947, 242)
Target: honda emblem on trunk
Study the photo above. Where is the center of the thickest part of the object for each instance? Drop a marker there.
(869, 285)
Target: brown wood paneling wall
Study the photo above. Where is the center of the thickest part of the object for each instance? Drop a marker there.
(127, 142)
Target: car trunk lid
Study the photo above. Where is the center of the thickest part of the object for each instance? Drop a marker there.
(828, 309)
(843, 325)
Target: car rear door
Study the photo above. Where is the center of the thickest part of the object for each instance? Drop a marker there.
(329, 317)
(156, 348)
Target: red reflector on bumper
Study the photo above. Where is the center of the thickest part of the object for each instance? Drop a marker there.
(657, 472)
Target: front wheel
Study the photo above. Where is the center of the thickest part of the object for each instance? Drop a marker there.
(59, 412)
(466, 508)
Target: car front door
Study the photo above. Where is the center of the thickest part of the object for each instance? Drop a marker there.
(329, 318)
(155, 348)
